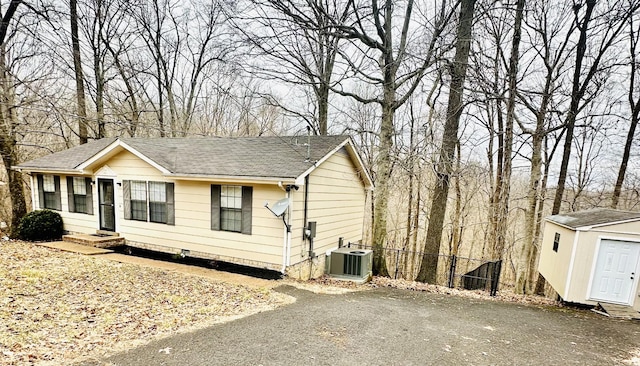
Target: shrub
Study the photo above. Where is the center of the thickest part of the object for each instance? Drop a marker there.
(40, 225)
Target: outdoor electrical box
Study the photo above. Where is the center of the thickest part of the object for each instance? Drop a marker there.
(310, 231)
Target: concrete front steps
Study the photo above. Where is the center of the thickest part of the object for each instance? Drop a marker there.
(101, 239)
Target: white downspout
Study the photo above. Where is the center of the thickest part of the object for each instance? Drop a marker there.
(286, 239)
(33, 195)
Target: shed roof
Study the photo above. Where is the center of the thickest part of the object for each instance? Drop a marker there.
(594, 217)
(257, 157)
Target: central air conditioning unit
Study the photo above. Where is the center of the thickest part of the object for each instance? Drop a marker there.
(351, 264)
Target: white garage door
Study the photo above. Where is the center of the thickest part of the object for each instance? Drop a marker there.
(613, 278)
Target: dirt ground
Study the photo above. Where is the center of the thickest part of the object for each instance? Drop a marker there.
(387, 326)
(58, 307)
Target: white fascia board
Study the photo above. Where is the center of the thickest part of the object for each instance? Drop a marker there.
(49, 171)
(586, 228)
(368, 182)
(119, 143)
(99, 155)
(231, 179)
(135, 152)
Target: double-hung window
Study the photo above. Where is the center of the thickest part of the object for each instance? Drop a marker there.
(149, 201)
(49, 192)
(231, 208)
(157, 202)
(138, 200)
(80, 195)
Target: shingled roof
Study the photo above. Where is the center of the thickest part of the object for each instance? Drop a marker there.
(594, 217)
(267, 157)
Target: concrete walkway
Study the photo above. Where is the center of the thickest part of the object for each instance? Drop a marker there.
(212, 274)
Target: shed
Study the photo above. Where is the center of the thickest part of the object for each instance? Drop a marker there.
(206, 197)
(591, 256)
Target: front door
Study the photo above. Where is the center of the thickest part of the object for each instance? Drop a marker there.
(107, 205)
(613, 277)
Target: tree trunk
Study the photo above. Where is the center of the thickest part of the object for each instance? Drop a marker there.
(8, 146)
(323, 108)
(383, 164)
(635, 111)
(429, 266)
(77, 66)
(576, 94)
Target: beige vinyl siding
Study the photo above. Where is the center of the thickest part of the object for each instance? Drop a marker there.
(554, 266)
(72, 221)
(336, 203)
(192, 229)
(79, 222)
(586, 254)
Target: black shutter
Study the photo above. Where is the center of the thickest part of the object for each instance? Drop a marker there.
(72, 204)
(56, 182)
(215, 207)
(126, 196)
(89, 198)
(247, 203)
(40, 191)
(171, 207)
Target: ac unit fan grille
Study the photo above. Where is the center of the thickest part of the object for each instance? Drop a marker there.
(352, 265)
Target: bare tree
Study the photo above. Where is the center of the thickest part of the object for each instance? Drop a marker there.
(608, 28)
(550, 32)
(372, 45)
(444, 168)
(634, 105)
(297, 35)
(77, 66)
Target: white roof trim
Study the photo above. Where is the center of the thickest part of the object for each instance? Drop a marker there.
(584, 228)
(590, 227)
(368, 182)
(119, 143)
(50, 170)
(229, 178)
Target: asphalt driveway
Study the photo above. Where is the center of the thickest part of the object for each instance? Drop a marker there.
(399, 327)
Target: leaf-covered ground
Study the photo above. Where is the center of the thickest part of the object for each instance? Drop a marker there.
(58, 308)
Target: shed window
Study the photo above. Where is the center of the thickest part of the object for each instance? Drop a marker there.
(156, 198)
(231, 208)
(80, 195)
(49, 192)
(556, 242)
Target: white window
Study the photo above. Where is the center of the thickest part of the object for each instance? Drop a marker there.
(231, 208)
(48, 184)
(79, 186)
(139, 200)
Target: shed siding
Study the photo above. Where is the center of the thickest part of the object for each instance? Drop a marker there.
(336, 203)
(554, 266)
(586, 255)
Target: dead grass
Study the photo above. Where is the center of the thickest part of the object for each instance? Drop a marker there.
(330, 286)
(59, 308)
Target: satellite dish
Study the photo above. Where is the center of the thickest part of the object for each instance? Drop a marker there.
(279, 209)
(281, 206)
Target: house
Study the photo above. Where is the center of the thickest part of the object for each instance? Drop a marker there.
(591, 256)
(212, 198)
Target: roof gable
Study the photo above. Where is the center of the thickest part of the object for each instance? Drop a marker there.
(594, 217)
